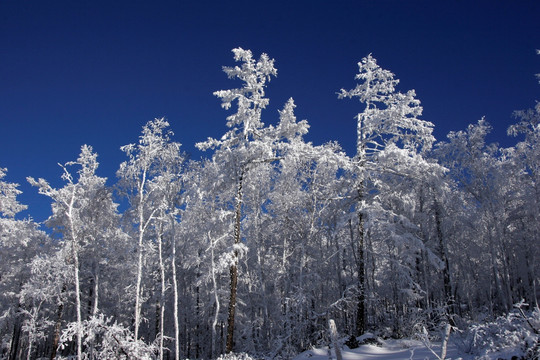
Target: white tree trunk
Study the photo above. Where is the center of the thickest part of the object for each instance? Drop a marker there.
(445, 341)
(138, 285)
(334, 338)
(216, 299)
(96, 291)
(74, 253)
(140, 255)
(175, 305)
(162, 298)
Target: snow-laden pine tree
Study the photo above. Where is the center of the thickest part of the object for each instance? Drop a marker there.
(390, 137)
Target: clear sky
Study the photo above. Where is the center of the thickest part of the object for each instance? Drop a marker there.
(94, 72)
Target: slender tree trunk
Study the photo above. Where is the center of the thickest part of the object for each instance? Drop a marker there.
(158, 320)
(175, 305)
(264, 334)
(234, 266)
(360, 170)
(32, 330)
(334, 339)
(57, 325)
(30, 349)
(162, 294)
(138, 285)
(302, 317)
(232, 304)
(140, 255)
(197, 316)
(445, 341)
(361, 307)
(507, 275)
(75, 254)
(16, 337)
(496, 275)
(78, 302)
(93, 302)
(96, 290)
(90, 301)
(447, 285)
(216, 298)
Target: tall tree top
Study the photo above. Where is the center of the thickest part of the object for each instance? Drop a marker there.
(250, 97)
(377, 83)
(389, 117)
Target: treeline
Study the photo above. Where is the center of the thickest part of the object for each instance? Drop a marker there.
(255, 248)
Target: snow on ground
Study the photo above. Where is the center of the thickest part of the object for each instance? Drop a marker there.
(390, 350)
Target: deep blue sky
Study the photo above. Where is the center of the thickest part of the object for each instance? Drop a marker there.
(94, 72)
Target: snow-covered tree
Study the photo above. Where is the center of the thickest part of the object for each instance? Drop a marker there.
(306, 203)
(390, 137)
(242, 148)
(75, 208)
(479, 168)
(145, 179)
(525, 157)
(44, 296)
(20, 241)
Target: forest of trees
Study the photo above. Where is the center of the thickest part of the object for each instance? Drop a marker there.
(256, 247)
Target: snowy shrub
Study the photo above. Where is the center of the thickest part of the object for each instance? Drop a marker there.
(516, 334)
(235, 356)
(103, 340)
(369, 339)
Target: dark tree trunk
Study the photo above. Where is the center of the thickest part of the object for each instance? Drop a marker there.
(232, 308)
(197, 326)
(56, 335)
(234, 267)
(15, 339)
(446, 270)
(361, 309)
(158, 319)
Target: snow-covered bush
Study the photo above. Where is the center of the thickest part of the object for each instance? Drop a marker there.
(103, 340)
(516, 334)
(235, 356)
